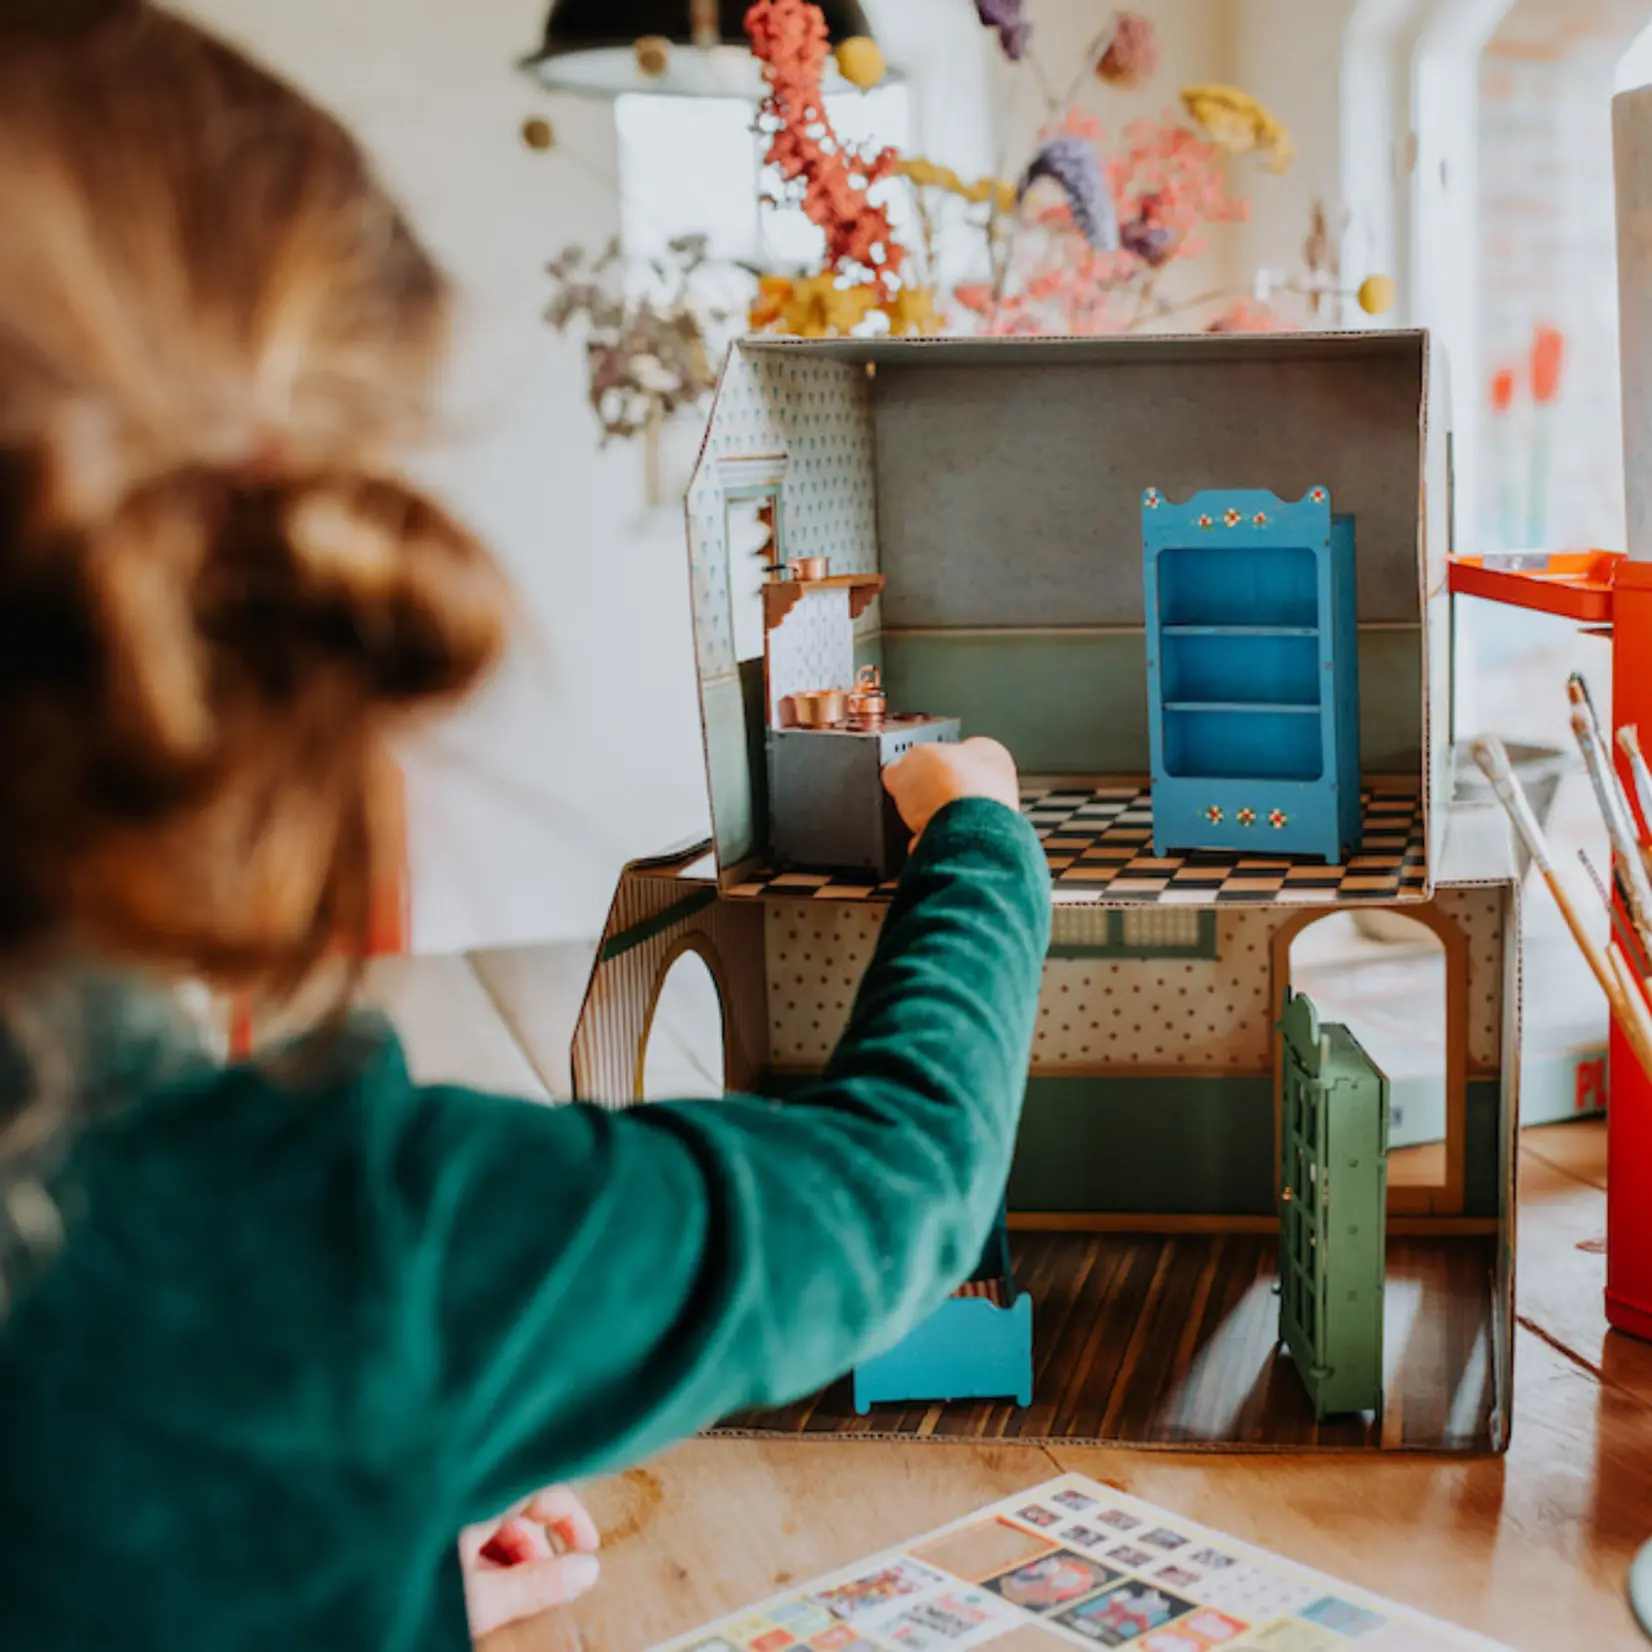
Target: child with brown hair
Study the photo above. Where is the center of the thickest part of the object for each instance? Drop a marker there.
(274, 1334)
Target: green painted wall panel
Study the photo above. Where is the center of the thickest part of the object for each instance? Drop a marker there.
(1191, 1146)
(1195, 1146)
(1076, 702)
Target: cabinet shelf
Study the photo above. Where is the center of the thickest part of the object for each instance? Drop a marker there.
(1252, 659)
(1239, 631)
(1289, 707)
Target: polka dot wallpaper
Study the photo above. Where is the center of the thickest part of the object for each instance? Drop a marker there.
(1202, 1015)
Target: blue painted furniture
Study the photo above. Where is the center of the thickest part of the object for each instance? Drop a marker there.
(1253, 674)
(970, 1348)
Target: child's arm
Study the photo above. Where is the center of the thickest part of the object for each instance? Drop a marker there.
(592, 1285)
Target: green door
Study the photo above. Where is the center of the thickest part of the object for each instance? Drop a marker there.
(1333, 1211)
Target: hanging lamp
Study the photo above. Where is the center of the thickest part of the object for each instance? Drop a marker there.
(679, 48)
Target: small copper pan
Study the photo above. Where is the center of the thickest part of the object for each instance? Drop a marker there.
(811, 569)
(821, 708)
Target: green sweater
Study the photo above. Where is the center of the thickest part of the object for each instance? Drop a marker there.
(296, 1339)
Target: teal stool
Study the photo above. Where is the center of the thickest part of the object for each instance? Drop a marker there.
(1640, 1590)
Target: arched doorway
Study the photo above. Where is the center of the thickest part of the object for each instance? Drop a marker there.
(1399, 981)
(683, 1051)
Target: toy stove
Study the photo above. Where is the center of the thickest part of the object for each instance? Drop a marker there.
(831, 733)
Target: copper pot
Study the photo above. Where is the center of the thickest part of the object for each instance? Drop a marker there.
(868, 704)
(820, 708)
(811, 569)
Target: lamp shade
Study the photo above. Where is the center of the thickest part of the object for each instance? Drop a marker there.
(590, 47)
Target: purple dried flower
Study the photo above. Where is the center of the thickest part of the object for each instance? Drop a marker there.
(1146, 235)
(1074, 164)
(1009, 18)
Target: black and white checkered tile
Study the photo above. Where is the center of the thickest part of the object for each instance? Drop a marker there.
(1100, 844)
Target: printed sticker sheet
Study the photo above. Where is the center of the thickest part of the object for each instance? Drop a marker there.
(1075, 1563)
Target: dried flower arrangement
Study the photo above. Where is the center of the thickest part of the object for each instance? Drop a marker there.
(648, 344)
(865, 270)
(1080, 242)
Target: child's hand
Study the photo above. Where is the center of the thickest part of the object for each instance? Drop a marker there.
(928, 778)
(514, 1571)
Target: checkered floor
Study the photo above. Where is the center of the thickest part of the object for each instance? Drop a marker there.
(1100, 846)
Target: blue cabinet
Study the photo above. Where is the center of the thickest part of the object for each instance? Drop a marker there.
(1253, 674)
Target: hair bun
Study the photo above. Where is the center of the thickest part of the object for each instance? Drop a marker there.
(424, 601)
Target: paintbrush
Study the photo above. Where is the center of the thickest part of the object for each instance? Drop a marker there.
(1630, 739)
(1614, 807)
(1627, 938)
(1627, 1003)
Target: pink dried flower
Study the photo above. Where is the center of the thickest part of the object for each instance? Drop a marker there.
(1133, 54)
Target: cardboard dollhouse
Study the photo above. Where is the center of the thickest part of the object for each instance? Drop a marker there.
(1185, 1166)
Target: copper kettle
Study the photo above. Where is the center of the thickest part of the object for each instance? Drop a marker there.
(868, 704)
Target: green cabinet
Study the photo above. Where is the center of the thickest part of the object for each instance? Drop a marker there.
(1333, 1211)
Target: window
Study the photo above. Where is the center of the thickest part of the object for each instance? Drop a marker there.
(693, 166)
(1135, 932)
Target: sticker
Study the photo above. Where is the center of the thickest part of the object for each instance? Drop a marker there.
(1178, 1577)
(1210, 1560)
(876, 1590)
(1296, 1637)
(1124, 1614)
(840, 1639)
(984, 1550)
(1040, 1517)
(802, 1617)
(1135, 1559)
(1256, 1593)
(955, 1620)
(1117, 1519)
(1342, 1616)
(1172, 1639)
(1077, 1501)
(1214, 1628)
(1165, 1539)
(1053, 1581)
(1081, 1537)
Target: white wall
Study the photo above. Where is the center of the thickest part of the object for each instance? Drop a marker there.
(586, 750)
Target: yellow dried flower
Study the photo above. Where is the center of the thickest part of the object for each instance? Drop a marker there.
(860, 62)
(912, 310)
(653, 53)
(927, 175)
(1236, 121)
(1376, 294)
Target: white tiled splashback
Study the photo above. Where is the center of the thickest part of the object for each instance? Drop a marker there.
(812, 648)
(815, 413)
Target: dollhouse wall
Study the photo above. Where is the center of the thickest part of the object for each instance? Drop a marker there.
(810, 417)
(997, 487)
(1009, 518)
(1152, 1083)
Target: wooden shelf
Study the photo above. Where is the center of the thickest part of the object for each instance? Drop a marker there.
(780, 596)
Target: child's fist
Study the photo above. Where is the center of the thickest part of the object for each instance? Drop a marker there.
(928, 778)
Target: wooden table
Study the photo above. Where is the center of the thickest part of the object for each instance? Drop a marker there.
(1531, 1549)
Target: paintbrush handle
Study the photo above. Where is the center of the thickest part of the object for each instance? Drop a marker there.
(1630, 740)
(1495, 765)
(1614, 808)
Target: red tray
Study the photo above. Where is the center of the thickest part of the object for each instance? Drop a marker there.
(1574, 584)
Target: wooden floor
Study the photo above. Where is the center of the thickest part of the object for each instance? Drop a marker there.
(1173, 1342)
(1530, 1548)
